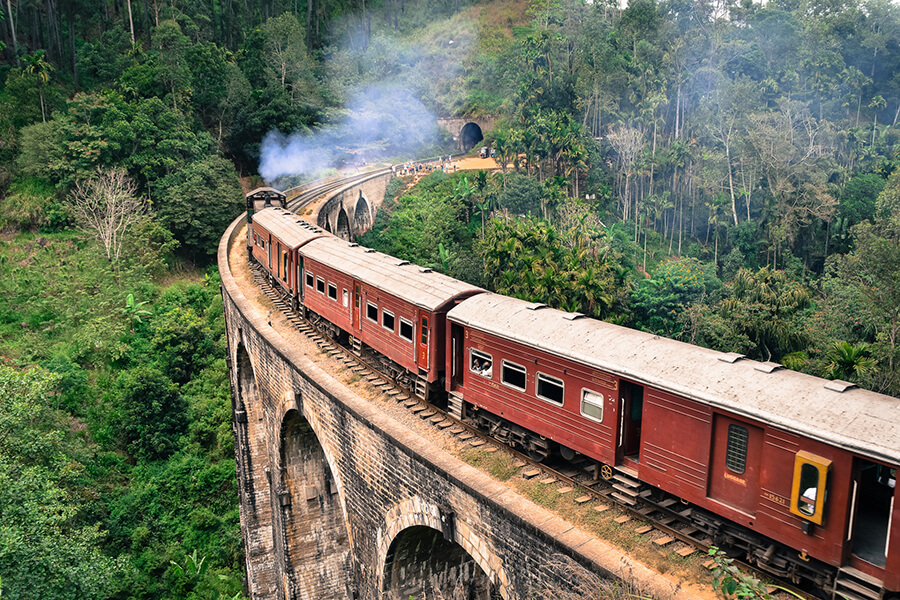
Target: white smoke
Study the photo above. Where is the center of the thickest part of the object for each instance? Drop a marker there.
(380, 121)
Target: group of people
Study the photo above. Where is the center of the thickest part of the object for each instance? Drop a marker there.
(482, 368)
(446, 165)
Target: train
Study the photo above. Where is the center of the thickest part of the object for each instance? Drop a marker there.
(792, 473)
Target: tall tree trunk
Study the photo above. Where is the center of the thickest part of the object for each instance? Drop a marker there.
(145, 17)
(12, 29)
(130, 22)
(54, 48)
(731, 183)
(70, 18)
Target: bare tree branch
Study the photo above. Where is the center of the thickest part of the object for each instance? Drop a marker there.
(105, 206)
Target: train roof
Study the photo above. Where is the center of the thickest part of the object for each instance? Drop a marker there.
(833, 412)
(287, 227)
(419, 286)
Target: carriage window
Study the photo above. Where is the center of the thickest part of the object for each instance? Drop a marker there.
(320, 285)
(809, 489)
(387, 320)
(332, 291)
(424, 331)
(592, 405)
(310, 280)
(550, 388)
(406, 330)
(371, 312)
(736, 449)
(481, 363)
(284, 265)
(346, 298)
(513, 375)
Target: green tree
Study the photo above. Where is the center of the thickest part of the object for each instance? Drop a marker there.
(197, 202)
(153, 413)
(848, 362)
(48, 548)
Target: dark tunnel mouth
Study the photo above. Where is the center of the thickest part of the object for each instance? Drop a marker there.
(470, 135)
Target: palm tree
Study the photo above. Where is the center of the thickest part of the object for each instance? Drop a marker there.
(848, 362)
(40, 68)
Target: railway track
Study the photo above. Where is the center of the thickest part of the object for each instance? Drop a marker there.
(664, 520)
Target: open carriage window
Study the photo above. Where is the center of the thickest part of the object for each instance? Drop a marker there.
(481, 363)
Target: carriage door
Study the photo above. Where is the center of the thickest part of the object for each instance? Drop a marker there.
(872, 504)
(424, 332)
(631, 412)
(734, 472)
(457, 352)
(357, 307)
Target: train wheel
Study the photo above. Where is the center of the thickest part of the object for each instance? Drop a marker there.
(567, 453)
(606, 472)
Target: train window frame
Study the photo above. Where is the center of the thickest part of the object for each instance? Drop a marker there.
(475, 354)
(284, 265)
(310, 280)
(385, 315)
(601, 404)
(332, 291)
(410, 326)
(369, 309)
(345, 298)
(507, 366)
(549, 380)
(810, 506)
(320, 285)
(736, 448)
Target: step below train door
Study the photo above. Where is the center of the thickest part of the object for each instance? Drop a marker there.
(871, 506)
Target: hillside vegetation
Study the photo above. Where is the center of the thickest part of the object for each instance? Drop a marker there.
(722, 173)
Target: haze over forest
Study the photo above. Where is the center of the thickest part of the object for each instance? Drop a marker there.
(719, 172)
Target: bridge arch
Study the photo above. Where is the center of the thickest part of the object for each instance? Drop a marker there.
(342, 230)
(424, 547)
(311, 526)
(247, 396)
(470, 135)
(362, 214)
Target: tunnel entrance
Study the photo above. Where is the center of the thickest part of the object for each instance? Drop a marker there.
(469, 136)
(421, 563)
(343, 226)
(313, 539)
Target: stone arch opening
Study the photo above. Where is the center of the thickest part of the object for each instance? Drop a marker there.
(362, 215)
(246, 397)
(469, 136)
(422, 563)
(311, 524)
(343, 225)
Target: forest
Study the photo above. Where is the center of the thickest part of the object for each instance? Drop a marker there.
(723, 173)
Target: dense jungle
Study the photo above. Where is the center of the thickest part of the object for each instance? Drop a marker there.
(724, 173)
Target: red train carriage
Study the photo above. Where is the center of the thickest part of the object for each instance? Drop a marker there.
(797, 462)
(275, 235)
(390, 306)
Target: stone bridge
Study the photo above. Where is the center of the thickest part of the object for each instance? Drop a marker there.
(349, 210)
(466, 131)
(341, 500)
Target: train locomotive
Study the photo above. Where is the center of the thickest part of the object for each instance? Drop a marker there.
(793, 473)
